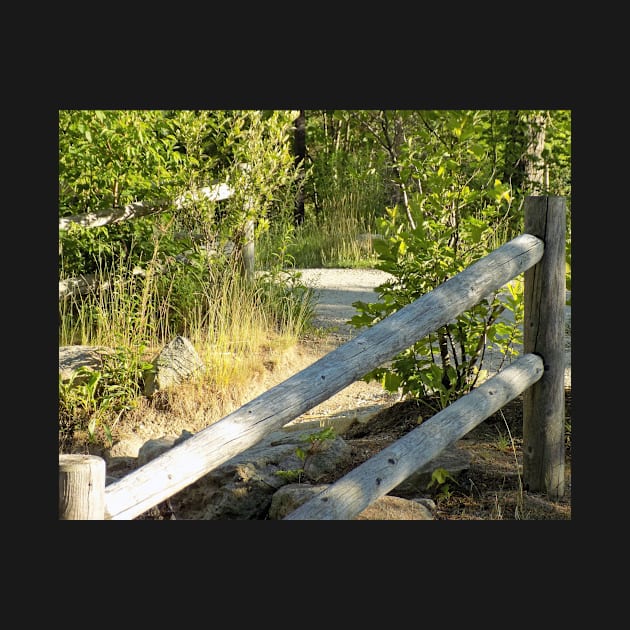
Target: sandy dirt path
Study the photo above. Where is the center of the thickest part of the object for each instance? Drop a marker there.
(337, 290)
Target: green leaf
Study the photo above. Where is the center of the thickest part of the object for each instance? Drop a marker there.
(391, 381)
(92, 425)
(325, 434)
(440, 476)
(478, 150)
(475, 228)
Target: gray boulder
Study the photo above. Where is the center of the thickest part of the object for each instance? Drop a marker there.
(243, 487)
(177, 361)
(259, 483)
(386, 508)
(72, 358)
(154, 448)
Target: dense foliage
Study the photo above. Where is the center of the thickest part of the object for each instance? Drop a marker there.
(163, 158)
(437, 189)
(109, 159)
(450, 186)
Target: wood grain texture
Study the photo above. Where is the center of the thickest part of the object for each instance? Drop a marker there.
(543, 334)
(81, 488)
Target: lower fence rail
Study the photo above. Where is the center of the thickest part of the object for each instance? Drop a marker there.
(354, 492)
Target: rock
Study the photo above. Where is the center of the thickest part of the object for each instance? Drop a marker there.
(326, 456)
(390, 508)
(243, 487)
(71, 358)
(122, 457)
(177, 361)
(256, 484)
(290, 497)
(427, 503)
(129, 447)
(154, 448)
(235, 492)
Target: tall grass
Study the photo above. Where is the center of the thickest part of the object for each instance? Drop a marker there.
(334, 240)
(232, 323)
(336, 230)
(245, 319)
(223, 310)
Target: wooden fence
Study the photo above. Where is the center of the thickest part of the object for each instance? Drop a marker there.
(538, 374)
(216, 192)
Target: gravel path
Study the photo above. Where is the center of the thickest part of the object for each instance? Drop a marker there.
(337, 290)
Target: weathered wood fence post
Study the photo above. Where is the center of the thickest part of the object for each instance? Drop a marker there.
(81, 488)
(247, 251)
(543, 334)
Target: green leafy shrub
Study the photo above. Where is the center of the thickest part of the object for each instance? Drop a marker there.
(93, 399)
(438, 232)
(449, 361)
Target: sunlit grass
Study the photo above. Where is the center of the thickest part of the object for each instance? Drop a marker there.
(339, 234)
(234, 324)
(238, 328)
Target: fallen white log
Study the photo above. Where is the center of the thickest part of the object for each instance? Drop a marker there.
(218, 192)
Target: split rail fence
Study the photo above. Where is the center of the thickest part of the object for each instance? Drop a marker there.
(538, 374)
(216, 192)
